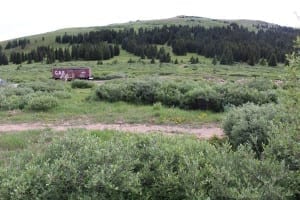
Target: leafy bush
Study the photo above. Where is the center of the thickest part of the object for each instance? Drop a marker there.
(203, 98)
(237, 175)
(10, 103)
(261, 84)
(126, 166)
(169, 94)
(45, 86)
(251, 124)
(9, 91)
(284, 146)
(111, 92)
(82, 84)
(62, 94)
(239, 95)
(110, 76)
(42, 103)
(188, 94)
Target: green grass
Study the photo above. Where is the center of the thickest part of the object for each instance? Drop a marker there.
(77, 108)
(119, 66)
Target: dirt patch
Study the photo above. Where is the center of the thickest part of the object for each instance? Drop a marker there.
(204, 132)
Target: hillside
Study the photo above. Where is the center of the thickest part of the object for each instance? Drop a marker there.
(178, 20)
(228, 41)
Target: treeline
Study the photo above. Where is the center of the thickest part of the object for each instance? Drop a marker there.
(17, 43)
(228, 44)
(3, 57)
(86, 51)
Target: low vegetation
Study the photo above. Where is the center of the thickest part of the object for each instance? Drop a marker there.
(123, 166)
(82, 84)
(188, 94)
(37, 96)
(250, 124)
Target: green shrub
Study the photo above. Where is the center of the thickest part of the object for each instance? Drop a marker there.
(261, 84)
(10, 103)
(143, 91)
(9, 91)
(82, 84)
(123, 166)
(169, 94)
(284, 146)
(237, 175)
(62, 94)
(137, 168)
(45, 86)
(111, 92)
(42, 103)
(110, 76)
(239, 95)
(204, 98)
(187, 94)
(157, 106)
(251, 124)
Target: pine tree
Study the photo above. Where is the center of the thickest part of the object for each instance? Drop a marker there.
(67, 55)
(227, 57)
(214, 61)
(152, 61)
(60, 55)
(272, 60)
(251, 61)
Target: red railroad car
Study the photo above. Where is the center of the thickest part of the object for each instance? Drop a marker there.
(72, 73)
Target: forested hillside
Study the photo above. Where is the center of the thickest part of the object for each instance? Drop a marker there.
(228, 43)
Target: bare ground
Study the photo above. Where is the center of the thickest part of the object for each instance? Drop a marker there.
(203, 132)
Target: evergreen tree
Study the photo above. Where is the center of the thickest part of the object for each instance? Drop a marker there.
(272, 60)
(227, 57)
(116, 50)
(152, 61)
(214, 61)
(67, 55)
(60, 55)
(263, 62)
(3, 59)
(251, 61)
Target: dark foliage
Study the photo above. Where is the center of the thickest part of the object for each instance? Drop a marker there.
(230, 44)
(17, 43)
(3, 57)
(86, 51)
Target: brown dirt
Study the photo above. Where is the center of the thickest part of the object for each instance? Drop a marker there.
(203, 132)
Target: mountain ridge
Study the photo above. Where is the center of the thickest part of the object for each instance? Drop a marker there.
(177, 20)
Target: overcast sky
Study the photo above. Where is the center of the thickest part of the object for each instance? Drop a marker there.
(19, 18)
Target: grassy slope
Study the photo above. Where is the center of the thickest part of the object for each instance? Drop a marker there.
(49, 37)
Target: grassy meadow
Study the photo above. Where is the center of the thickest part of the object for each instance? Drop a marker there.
(78, 107)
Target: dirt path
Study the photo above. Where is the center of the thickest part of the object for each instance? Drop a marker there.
(204, 132)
